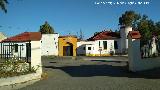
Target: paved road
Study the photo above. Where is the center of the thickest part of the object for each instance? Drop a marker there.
(67, 74)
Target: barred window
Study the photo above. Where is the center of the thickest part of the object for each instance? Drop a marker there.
(115, 45)
(16, 47)
(89, 48)
(105, 44)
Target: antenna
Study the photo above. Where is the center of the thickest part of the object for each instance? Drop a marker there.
(81, 35)
(77, 34)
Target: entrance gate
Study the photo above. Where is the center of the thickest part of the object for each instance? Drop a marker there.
(68, 50)
(15, 50)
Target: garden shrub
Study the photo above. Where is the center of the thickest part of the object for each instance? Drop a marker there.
(11, 68)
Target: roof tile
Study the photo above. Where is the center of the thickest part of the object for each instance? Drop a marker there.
(104, 35)
(135, 34)
(23, 37)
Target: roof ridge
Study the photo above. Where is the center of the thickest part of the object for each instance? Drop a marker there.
(104, 35)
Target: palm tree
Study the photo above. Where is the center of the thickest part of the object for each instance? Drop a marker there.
(3, 5)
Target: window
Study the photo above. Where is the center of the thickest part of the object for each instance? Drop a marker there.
(115, 45)
(99, 44)
(89, 48)
(105, 44)
(84, 48)
(16, 47)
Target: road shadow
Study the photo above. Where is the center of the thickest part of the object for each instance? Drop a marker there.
(52, 62)
(108, 61)
(106, 70)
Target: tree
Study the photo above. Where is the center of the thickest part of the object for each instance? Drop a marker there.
(129, 18)
(144, 29)
(143, 24)
(46, 29)
(3, 4)
(157, 29)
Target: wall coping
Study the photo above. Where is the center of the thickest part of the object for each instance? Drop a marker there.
(19, 79)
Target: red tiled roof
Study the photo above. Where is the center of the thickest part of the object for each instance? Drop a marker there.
(104, 35)
(135, 34)
(23, 37)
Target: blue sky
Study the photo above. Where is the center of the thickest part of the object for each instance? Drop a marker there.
(69, 16)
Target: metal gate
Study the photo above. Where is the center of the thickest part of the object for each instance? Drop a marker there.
(15, 50)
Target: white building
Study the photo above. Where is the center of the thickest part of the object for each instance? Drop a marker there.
(97, 48)
(82, 47)
(49, 44)
(20, 45)
(105, 43)
(104, 46)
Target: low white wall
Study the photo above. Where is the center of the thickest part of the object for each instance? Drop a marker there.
(18, 79)
(35, 62)
(36, 56)
(136, 63)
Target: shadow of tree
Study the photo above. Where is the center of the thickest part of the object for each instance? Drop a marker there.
(52, 62)
(106, 70)
(109, 61)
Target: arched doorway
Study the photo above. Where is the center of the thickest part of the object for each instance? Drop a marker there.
(68, 49)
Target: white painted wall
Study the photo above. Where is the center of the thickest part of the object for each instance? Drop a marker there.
(36, 56)
(84, 42)
(122, 43)
(95, 47)
(92, 51)
(136, 63)
(110, 47)
(81, 45)
(49, 44)
(124, 40)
